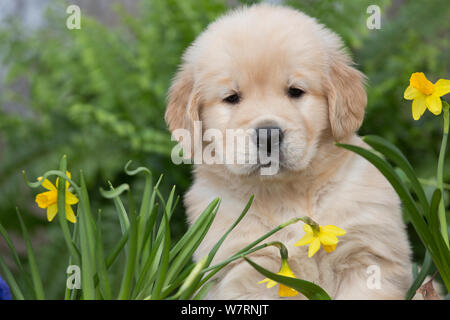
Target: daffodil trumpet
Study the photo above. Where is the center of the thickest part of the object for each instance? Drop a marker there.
(285, 270)
(316, 235)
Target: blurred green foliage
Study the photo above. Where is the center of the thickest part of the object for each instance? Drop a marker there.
(98, 94)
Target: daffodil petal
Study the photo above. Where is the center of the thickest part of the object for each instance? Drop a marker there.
(51, 212)
(411, 93)
(314, 247)
(285, 291)
(418, 107)
(71, 198)
(67, 182)
(270, 283)
(307, 238)
(329, 249)
(70, 177)
(47, 184)
(442, 87)
(434, 104)
(333, 230)
(70, 215)
(328, 239)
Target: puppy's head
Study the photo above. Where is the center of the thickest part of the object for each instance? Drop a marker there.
(273, 77)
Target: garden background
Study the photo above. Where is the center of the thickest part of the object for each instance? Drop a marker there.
(98, 95)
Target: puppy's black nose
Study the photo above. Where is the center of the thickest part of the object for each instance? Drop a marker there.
(269, 136)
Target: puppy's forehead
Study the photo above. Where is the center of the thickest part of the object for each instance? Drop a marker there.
(259, 44)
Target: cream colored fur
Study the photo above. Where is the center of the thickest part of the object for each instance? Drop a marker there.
(260, 51)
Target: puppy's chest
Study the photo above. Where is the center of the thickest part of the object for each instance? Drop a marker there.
(277, 210)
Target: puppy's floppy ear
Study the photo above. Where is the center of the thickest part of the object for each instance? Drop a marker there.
(347, 97)
(182, 106)
(183, 110)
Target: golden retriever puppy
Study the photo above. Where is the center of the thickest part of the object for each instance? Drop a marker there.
(272, 67)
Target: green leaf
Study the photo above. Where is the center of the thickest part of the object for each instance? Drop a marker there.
(196, 226)
(204, 290)
(162, 272)
(86, 243)
(36, 278)
(149, 231)
(308, 289)
(235, 223)
(114, 194)
(100, 263)
(116, 251)
(190, 285)
(424, 271)
(127, 280)
(146, 204)
(434, 211)
(189, 248)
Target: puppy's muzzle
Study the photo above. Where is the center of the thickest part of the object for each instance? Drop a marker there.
(268, 139)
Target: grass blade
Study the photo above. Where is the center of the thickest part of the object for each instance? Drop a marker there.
(36, 278)
(15, 255)
(15, 289)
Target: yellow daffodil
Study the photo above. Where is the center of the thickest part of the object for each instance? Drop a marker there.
(425, 94)
(325, 235)
(283, 291)
(48, 200)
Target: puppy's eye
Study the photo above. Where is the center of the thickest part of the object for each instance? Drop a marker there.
(232, 99)
(295, 92)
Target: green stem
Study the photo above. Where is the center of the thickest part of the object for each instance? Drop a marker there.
(251, 245)
(433, 183)
(440, 173)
